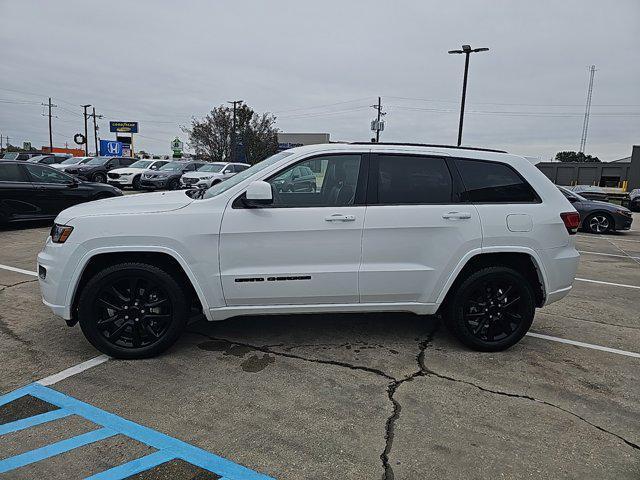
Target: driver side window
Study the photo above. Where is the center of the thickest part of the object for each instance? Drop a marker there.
(40, 174)
(327, 181)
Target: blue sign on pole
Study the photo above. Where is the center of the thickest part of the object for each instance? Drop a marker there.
(109, 148)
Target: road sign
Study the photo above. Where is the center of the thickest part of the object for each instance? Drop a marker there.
(177, 145)
(123, 127)
(26, 145)
(109, 148)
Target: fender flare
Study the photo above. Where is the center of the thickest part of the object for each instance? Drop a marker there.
(537, 262)
(86, 258)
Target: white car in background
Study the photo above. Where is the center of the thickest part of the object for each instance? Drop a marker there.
(69, 162)
(211, 173)
(130, 176)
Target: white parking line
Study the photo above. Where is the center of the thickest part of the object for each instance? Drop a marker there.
(607, 283)
(585, 345)
(69, 372)
(618, 239)
(608, 254)
(18, 270)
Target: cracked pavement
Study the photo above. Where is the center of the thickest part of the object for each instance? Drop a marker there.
(378, 396)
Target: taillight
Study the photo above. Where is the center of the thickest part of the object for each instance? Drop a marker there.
(571, 221)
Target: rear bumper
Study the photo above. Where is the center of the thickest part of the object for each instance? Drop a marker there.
(560, 265)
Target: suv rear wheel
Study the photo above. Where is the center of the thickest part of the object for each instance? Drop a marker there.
(132, 310)
(492, 309)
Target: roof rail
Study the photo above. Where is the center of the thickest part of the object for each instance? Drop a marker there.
(428, 145)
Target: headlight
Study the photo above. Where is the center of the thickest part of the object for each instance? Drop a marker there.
(206, 178)
(125, 174)
(60, 233)
(623, 211)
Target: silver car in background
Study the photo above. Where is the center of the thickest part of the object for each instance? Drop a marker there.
(211, 173)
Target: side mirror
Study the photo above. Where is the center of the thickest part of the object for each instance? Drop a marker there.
(572, 199)
(73, 183)
(258, 193)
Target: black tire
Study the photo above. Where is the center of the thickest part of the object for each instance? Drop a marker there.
(108, 299)
(173, 184)
(491, 321)
(99, 178)
(598, 223)
(135, 184)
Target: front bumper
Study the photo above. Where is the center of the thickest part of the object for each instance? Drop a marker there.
(120, 182)
(60, 262)
(153, 183)
(622, 222)
(198, 184)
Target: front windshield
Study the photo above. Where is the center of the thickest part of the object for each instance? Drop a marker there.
(172, 166)
(218, 188)
(10, 156)
(212, 167)
(98, 160)
(140, 164)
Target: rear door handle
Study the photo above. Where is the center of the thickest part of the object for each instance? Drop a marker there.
(456, 216)
(338, 217)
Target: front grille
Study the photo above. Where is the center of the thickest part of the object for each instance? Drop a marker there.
(190, 181)
(113, 175)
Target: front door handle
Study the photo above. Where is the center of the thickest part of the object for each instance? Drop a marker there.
(338, 217)
(456, 216)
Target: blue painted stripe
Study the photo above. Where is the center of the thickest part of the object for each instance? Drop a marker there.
(160, 441)
(33, 421)
(57, 448)
(11, 396)
(135, 466)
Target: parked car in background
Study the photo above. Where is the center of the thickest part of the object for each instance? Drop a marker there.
(50, 159)
(32, 191)
(299, 179)
(211, 173)
(168, 176)
(480, 236)
(95, 170)
(71, 161)
(592, 192)
(18, 155)
(130, 176)
(634, 200)
(597, 216)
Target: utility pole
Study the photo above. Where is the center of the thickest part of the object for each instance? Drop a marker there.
(467, 50)
(587, 110)
(377, 125)
(86, 140)
(50, 105)
(233, 130)
(95, 129)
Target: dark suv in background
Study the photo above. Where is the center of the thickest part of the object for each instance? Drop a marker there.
(95, 170)
(168, 176)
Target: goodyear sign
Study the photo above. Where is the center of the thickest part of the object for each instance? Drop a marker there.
(123, 127)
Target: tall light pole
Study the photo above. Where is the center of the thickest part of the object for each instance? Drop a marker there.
(86, 140)
(467, 50)
(233, 130)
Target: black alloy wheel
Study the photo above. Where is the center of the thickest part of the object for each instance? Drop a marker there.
(132, 310)
(135, 184)
(599, 223)
(173, 184)
(492, 309)
(99, 177)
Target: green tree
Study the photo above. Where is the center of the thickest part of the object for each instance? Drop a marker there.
(571, 156)
(210, 137)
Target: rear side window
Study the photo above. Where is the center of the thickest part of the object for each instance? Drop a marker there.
(490, 182)
(10, 172)
(405, 179)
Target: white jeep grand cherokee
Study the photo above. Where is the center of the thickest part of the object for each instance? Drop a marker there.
(480, 237)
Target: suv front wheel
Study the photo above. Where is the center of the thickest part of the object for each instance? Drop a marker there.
(132, 310)
(492, 309)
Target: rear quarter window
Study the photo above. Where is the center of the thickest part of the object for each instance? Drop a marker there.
(492, 182)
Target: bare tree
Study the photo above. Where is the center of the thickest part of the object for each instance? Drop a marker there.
(210, 137)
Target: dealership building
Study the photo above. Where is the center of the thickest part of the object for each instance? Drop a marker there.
(623, 173)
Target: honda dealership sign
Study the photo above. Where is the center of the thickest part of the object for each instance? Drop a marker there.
(109, 148)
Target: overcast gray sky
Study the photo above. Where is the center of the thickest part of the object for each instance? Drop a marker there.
(320, 65)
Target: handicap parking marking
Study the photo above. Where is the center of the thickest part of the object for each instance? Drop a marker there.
(168, 448)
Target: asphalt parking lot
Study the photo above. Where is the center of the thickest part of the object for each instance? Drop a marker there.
(330, 396)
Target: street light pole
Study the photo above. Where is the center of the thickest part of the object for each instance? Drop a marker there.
(233, 131)
(467, 50)
(86, 140)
